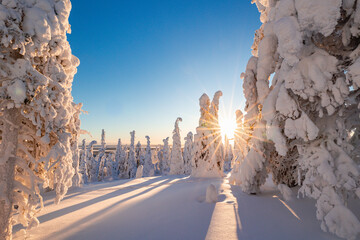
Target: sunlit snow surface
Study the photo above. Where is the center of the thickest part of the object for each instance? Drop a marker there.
(174, 207)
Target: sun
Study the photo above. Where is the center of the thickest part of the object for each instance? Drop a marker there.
(227, 127)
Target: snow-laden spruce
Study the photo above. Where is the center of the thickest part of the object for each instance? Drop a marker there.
(139, 155)
(309, 117)
(120, 161)
(39, 121)
(148, 170)
(165, 157)
(91, 165)
(176, 158)
(188, 153)
(82, 162)
(101, 157)
(208, 149)
(131, 161)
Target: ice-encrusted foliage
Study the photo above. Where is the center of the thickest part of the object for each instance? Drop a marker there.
(208, 150)
(165, 158)
(131, 161)
(188, 153)
(38, 117)
(310, 114)
(176, 159)
(120, 161)
(148, 170)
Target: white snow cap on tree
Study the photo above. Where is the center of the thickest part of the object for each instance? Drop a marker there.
(176, 159)
(38, 117)
(306, 118)
(148, 170)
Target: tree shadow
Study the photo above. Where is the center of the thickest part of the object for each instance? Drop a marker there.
(77, 191)
(66, 210)
(174, 209)
(105, 210)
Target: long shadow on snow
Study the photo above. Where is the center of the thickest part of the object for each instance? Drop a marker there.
(176, 209)
(87, 188)
(63, 211)
(107, 209)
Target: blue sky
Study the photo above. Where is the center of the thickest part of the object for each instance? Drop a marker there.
(145, 63)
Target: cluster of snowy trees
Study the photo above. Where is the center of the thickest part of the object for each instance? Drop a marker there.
(303, 126)
(135, 161)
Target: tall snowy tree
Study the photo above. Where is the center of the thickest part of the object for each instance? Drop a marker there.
(176, 158)
(159, 154)
(91, 164)
(38, 117)
(131, 163)
(228, 154)
(101, 157)
(188, 153)
(82, 159)
(148, 170)
(311, 111)
(120, 161)
(208, 150)
(138, 154)
(164, 164)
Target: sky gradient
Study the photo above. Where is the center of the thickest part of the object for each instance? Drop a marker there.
(145, 63)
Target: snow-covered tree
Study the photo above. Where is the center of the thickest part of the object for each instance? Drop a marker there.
(176, 158)
(159, 158)
(82, 159)
(101, 157)
(148, 170)
(139, 155)
(310, 113)
(131, 161)
(228, 154)
(120, 161)
(110, 166)
(188, 153)
(208, 150)
(164, 164)
(91, 164)
(38, 118)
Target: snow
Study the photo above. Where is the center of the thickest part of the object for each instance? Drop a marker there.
(211, 194)
(317, 16)
(134, 209)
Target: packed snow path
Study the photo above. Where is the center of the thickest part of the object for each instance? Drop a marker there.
(174, 208)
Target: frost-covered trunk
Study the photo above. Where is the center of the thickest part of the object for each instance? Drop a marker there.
(8, 152)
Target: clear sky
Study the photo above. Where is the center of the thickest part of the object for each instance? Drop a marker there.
(145, 63)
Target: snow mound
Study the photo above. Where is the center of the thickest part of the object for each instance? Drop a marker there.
(211, 194)
(285, 192)
(139, 171)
